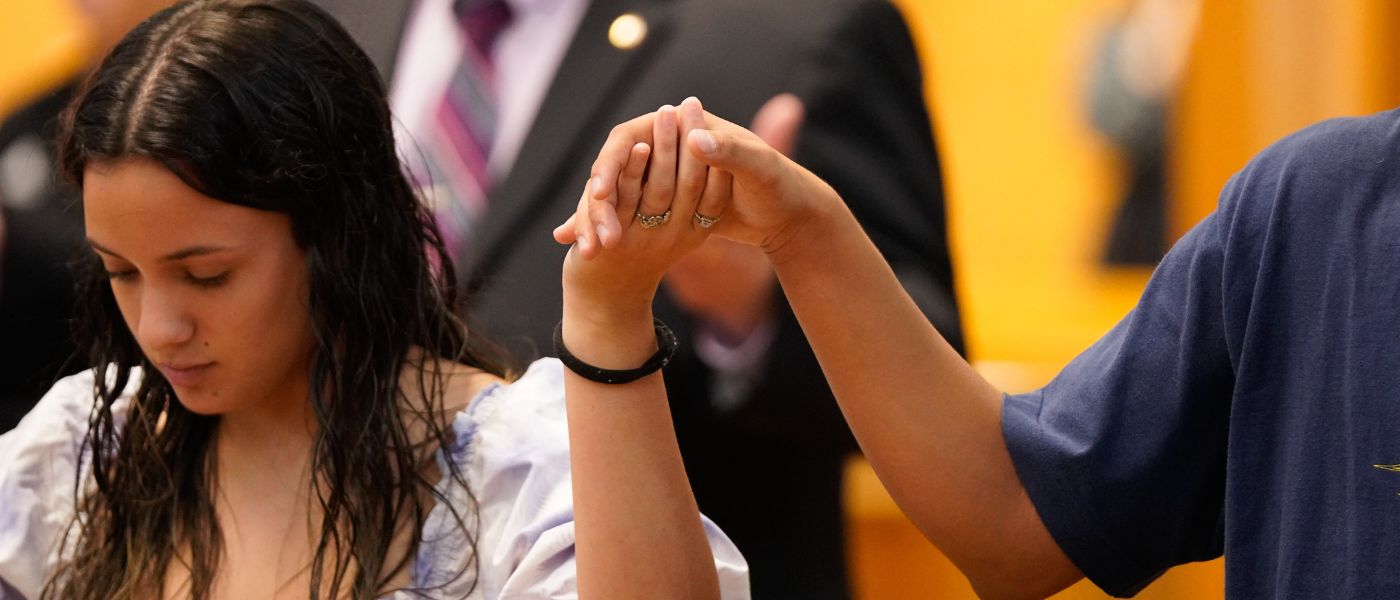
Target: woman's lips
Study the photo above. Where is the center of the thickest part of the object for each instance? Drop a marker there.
(185, 375)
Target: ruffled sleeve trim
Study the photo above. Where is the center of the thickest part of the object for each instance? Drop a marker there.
(39, 463)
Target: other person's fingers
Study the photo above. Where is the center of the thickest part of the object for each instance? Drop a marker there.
(739, 152)
(713, 202)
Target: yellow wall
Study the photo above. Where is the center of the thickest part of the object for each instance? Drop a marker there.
(1264, 68)
(41, 44)
(1030, 188)
(1030, 191)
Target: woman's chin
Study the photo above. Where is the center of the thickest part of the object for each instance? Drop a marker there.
(204, 402)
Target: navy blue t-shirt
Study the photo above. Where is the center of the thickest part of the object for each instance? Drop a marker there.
(1250, 403)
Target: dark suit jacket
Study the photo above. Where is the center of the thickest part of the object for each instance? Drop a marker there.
(769, 471)
(45, 234)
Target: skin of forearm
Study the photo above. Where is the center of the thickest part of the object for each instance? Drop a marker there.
(631, 499)
(929, 424)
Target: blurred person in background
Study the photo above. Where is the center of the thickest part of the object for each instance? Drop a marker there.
(45, 231)
(2, 251)
(1134, 75)
(499, 100)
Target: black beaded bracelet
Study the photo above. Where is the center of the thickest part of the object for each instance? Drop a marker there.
(666, 348)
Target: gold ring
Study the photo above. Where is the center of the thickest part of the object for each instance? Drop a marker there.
(650, 221)
(705, 222)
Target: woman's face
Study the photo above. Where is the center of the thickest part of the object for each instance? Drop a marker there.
(216, 294)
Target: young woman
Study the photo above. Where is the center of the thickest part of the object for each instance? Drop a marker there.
(283, 403)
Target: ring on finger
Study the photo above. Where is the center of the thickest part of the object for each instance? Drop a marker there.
(650, 221)
(704, 221)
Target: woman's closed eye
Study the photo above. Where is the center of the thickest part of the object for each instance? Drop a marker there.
(191, 277)
(119, 274)
(207, 282)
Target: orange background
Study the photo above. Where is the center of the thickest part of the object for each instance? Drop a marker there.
(1031, 191)
(1030, 188)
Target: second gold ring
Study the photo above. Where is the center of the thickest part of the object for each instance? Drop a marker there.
(704, 221)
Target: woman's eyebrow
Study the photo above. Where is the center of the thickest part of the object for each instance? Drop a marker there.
(103, 249)
(182, 254)
(193, 251)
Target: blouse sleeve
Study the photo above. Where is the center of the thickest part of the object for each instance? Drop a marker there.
(38, 479)
(512, 445)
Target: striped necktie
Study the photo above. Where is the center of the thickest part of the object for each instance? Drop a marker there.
(462, 127)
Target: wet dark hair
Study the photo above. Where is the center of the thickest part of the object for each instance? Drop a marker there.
(268, 104)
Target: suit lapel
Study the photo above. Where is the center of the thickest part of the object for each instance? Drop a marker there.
(583, 89)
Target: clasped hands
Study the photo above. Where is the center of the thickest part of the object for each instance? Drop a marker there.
(702, 170)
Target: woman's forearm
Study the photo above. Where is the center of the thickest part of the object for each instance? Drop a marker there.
(639, 533)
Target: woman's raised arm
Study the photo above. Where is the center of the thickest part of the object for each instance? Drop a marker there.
(639, 532)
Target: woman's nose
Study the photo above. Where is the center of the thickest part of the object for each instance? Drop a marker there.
(165, 323)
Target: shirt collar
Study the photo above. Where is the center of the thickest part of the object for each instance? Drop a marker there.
(524, 7)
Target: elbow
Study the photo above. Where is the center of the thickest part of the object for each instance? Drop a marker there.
(1024, 575)
(1021, 561)
(1022, 586)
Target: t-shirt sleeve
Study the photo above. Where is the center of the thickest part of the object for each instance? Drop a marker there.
(1123, 453)
(38, 475)
(515, 452)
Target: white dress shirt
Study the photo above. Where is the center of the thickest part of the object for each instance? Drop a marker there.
(526, 56)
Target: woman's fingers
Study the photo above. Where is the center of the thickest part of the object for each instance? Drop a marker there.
(564, 233)
(617, 150)
(661, 173)
(603, 217)
(629, 184)
(690, 173)
(585, 233)
(665, 162)
(607, 221)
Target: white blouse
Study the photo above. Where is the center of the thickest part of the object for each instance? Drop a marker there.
(512, 448)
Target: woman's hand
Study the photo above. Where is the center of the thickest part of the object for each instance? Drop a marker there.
(775, 202)
(623, 245)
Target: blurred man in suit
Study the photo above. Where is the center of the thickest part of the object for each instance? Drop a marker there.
(504, 103)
